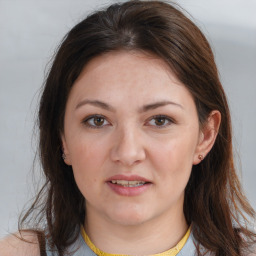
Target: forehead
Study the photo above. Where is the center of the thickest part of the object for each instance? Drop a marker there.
(129, 59)
(134, 76)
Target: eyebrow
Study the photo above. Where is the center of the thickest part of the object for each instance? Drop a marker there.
(158, 104)
(144, 108)
(95, 103)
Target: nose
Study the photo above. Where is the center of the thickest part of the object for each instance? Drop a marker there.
(128, 148)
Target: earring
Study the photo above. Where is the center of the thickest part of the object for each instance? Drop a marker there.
(200, 157)
(64, 156)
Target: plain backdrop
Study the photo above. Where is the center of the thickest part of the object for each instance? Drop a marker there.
(30, 32)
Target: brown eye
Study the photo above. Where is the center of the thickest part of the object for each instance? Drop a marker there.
(160, 121)
(96, 121)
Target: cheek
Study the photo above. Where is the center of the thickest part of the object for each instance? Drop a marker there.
(173, 172)
(87, 151)
(173, 161)
(87, 162)
(176, 152)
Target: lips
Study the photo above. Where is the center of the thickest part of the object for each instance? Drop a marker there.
(128, 185)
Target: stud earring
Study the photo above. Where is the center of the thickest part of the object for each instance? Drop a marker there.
(64, 156)
(200, 157)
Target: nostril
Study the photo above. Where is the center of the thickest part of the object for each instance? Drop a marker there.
(128, 146)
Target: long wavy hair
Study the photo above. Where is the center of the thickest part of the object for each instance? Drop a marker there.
(214, 201)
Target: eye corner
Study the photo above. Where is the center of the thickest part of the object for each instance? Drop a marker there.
(89, 121)
(167, 121)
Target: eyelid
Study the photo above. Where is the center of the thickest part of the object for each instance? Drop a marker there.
(86, 119)
(169, 119)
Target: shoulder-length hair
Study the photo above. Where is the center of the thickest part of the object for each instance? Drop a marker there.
(214, 202)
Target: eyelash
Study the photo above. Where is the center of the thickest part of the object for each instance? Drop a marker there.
(166, 118)
(86, 121)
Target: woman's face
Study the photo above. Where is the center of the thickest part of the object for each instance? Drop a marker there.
(131, 134)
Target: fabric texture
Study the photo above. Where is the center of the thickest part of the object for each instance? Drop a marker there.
(171, 252)
(80, 248)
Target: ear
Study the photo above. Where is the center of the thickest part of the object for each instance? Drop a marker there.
(65, 155)
(207, 136)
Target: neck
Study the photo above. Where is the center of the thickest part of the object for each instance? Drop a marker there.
(146, 238)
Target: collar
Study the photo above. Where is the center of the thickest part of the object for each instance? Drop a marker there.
(171, 252)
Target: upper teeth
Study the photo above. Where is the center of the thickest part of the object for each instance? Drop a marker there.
(128, 183)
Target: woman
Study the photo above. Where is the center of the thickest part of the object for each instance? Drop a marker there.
(135, 144)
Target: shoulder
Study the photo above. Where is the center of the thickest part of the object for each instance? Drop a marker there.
(20, 244)
(252, 251)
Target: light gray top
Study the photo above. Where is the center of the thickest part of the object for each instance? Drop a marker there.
(187, 250)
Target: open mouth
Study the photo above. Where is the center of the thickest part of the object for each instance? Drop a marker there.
(132, 185)
(129, 183)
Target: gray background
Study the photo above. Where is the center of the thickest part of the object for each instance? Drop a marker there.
(29, 34)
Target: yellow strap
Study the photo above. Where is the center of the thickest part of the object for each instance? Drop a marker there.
(171, 252)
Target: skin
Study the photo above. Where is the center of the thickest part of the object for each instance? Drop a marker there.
(129, 139)
(13, 245)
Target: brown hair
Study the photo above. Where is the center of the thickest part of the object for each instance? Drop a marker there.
(214, 202)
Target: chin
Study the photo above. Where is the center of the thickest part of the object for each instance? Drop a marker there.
(130, 222)
(129, 218)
